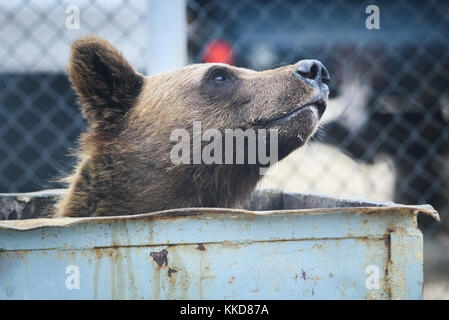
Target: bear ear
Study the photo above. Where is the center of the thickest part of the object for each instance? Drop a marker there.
(107, 85)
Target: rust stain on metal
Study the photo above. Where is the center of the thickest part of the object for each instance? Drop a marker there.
(371, 212)
(160, 257)
(388, 263)
(170, 271)
(388, 246)
(201, 247)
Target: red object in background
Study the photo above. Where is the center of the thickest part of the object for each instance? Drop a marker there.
(219, 51)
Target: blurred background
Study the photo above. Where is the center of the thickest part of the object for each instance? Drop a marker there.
(385, 133)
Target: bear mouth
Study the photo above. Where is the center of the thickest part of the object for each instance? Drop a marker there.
(319, 106)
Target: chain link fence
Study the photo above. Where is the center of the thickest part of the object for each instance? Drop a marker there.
(385, 133)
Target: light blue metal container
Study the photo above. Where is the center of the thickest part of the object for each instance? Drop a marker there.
(343, 250)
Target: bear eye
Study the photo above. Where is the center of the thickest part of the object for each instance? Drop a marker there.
(220, 76)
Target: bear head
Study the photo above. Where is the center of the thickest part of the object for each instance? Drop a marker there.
(125, 156)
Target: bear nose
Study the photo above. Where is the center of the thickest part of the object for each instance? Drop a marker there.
(312, 70)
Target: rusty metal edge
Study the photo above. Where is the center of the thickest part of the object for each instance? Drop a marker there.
(30, 224)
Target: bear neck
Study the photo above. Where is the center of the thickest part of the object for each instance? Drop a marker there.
(126, 183)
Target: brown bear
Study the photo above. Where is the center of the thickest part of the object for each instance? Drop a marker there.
(125, 165)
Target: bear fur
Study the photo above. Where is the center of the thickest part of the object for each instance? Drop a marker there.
(124, 162)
